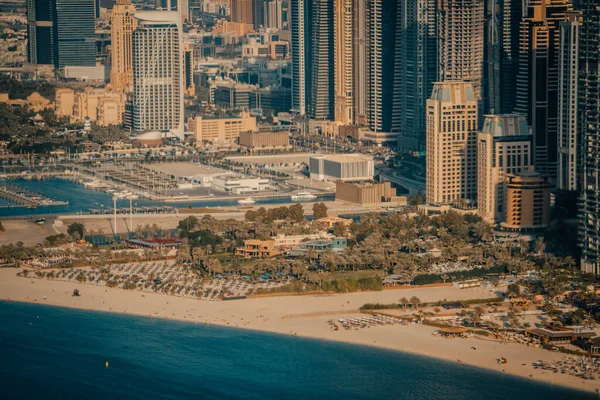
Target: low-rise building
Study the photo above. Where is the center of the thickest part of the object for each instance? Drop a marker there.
(289, 241)
(345, 167)
(102, 107)
(221, 129)
(258, 249)
(319, 246)
(277, 140)
(240, 185)
(527, 201)
(368, 193)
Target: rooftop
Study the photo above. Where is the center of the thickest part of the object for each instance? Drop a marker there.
(344, 158)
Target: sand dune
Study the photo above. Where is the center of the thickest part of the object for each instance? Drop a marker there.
(304, 316)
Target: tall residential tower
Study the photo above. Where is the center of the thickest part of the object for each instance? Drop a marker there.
(158, 73)
(121, 31)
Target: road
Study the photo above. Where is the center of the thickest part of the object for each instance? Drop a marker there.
(414, 187)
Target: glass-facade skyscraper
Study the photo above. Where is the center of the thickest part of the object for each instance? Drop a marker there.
(61, 32)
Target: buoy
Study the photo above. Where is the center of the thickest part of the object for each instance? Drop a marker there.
(106, 364)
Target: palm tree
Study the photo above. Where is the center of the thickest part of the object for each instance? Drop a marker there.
(404, 301)
(415, 301)
(445, 277)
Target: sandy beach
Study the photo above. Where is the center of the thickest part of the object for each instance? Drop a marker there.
(304, 316)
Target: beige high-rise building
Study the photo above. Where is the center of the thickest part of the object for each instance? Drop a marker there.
(451, 143)
(503, 147)
(343, 68)
(122, 25)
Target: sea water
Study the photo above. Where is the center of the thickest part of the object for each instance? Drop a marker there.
(60, 353)
(81, 199)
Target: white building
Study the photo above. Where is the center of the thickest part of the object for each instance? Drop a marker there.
(158, 76)
(345, 167)
(239, 185)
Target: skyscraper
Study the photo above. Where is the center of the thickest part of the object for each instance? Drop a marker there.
(272, 14)
(321, 58)
(40, 35)
(589, 111)
(416, 42)
(360, 70)
(451, 143)
(460, 42)
(511, 12)
(242, 11)
(537, 81)
(158, 75)
(61, 32)
(503, 148)
(384, 66)
(312, 58)
(569, 142)
(75, 33)
(344, 55)
(121, 31)
(299, 31)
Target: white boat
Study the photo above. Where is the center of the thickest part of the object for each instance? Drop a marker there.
(303, 196)
(247, 201)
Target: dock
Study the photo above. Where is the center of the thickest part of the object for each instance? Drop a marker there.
(26, 198)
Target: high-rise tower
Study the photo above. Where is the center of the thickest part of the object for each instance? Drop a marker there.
(569, 141)
(158, 75)
(344, 56)
(460, 42)
(537, 81)
(122, 25)
(589, 111)
(40, 35)
(452, 143)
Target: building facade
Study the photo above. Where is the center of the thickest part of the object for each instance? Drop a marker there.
(452, 143)
(61, 33)
(589, 111)
(122, 25)
(222, 130)
(158, 74)
(537, 80)
(569, 142)
(74, 33)
(344, 167)
(460, 42)
(264, 140)
(367, 193)
(40, 33)
(503, 148)
(242, 11)
(344, 55)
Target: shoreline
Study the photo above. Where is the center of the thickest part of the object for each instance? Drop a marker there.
(304, 316)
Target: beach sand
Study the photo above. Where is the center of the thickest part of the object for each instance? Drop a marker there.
(303, 316)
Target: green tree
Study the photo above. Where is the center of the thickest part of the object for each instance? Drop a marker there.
(513, 290)
(319, 210)
(296, 212)
(76, 230)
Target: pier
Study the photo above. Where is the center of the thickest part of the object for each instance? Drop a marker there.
(26, 198)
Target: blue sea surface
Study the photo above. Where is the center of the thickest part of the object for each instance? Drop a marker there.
(60, 353)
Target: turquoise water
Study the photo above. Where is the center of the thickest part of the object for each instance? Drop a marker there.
(58, 353)
(81, 199)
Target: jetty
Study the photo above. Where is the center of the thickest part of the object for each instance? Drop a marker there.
(21, 197)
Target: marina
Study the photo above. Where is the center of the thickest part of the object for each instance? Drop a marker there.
(20, 197)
